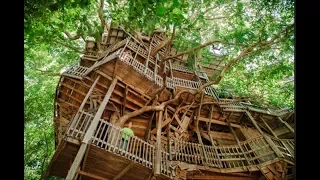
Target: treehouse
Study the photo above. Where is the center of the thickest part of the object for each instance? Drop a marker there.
(182, 128)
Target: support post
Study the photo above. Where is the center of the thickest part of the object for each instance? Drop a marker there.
(158, 145)
(269, 141)
(286, 124)
(147, 61)
(84, 102)
(170, 66)
(215, 150)
(235, 136)
(274, 134)
(125, 170)
(87, 137)
(155, 69)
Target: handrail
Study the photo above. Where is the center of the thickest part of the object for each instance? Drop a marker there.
(79, 71)
(109, 137)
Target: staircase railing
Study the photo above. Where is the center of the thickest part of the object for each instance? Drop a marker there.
(110, 138)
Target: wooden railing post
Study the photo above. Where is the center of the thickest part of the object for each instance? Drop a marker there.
(269, 141)
(87, 137)
(147, 61)
(239, 144)
(158, 145)
(215, 150)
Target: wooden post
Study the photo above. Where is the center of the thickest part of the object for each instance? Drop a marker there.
(274, 134)
(158, 145)
(269, 141)
(147, 61)
(147, 133)
(125, 170)
(170, 66)
(169, 142)
(286, 124)
(155, 68)
(87, 137)
(84, 101)
(235, 136)
(269, 128)
(215, 150)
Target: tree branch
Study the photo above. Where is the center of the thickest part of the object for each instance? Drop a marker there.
(102, 20)
(215, 18)
(198, 47)
(249, 51)
(72, 37)
(164, 43)
(69, 46)
(49, 73)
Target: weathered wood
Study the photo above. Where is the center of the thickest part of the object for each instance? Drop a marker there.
(269, 141)
(91, 175)
(215, 121)
(147, 133)
(269, 128)
(84, 101)
(286, 124)
(158, 145)
(238, 142)
(76, 163)
(124, 171)
(87, 137)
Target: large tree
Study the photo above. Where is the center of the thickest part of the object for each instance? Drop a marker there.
(254, 40)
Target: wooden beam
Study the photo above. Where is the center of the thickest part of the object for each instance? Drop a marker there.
(158, 145)
(91, 175)
(238, 142)
(269, 141)
(84, 101)
(147, 61)
(286, 124)
(87, 137)
(215, 121)
(85, 160)
(124, 100)
(76, 163)
(275, 135)
(221, 135)
(124, 171)
(147, 133)
(269, 128)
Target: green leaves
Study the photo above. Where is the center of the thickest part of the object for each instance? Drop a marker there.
(161, 11)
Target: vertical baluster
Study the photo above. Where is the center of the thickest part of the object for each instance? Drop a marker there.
(104, 140)
(190, 151)
(144, 154)
(96, 134)
(140, 153)
(223, 157)
(75, 130)
(81, 132)
(236, 155)
(184, 151)
(100, 139)
(249, 154)
(112, 135)
(132, 150)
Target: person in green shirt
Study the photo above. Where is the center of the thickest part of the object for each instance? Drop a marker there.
(127, 132)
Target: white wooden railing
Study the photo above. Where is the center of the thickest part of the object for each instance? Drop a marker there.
(109, 137)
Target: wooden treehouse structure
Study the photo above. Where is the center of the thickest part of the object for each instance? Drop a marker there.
(194, 136)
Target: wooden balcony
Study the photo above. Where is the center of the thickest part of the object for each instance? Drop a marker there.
(107, 158)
